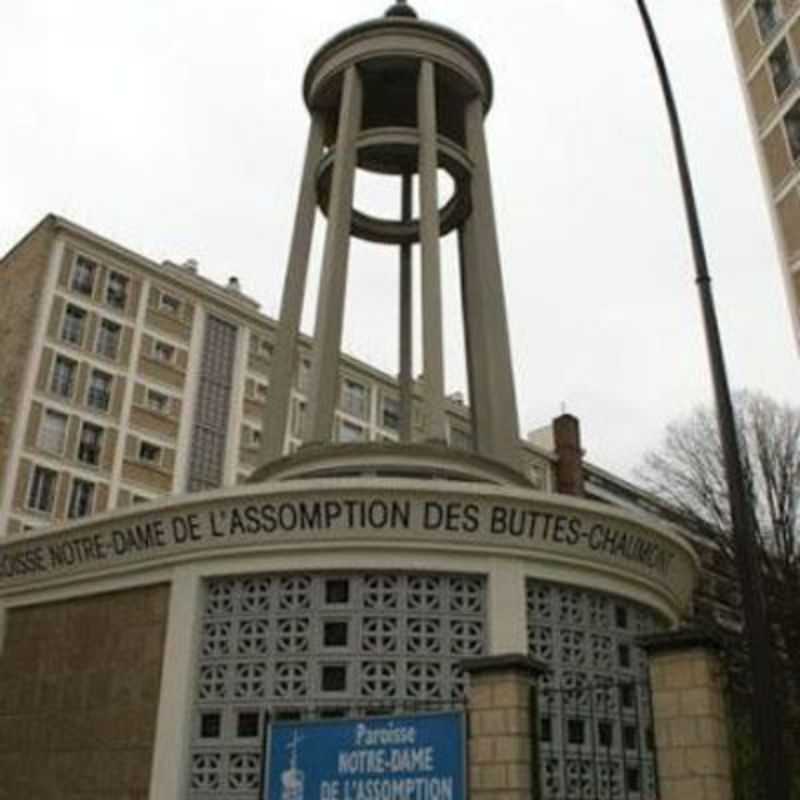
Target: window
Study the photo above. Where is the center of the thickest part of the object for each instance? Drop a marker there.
(210, 725)
(792, 124)
(460, 438)
(42, 489)
(72, 329)
(247, 724)
(337, 591)
(261, 392)
(334, 678)
(149, 453)
(576, 731)
(265, 346)
(390, 413)
(334, 634)
(63, 376)
(80, 499)
(157, 401)
(303, 374)
(766, 16)
(780, 65)
(83, 276)
(108, 338)
(298, 417)
(163, 352)
(99, 396)
(605, 733)
(53, 431)
(89, 444)
(355, 399)
(117, 291)
(351, 433)
(139, 498)
(169, 304)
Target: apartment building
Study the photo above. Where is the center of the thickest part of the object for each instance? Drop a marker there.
(766, 38)
(124, 379)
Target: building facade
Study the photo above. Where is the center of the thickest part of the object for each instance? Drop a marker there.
(766, 39)
(171, 585)
(128, 379)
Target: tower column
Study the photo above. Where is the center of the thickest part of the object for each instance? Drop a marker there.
(276, 413)
(432, 346)
(333, 281)
(488, 338)
(406, 320)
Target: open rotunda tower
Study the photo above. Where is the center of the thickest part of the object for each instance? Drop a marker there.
(346, 579)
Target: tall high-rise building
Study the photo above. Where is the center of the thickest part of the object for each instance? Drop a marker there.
(766, 38)
(124, 379)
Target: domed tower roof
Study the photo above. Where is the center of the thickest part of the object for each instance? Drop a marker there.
(399, 32)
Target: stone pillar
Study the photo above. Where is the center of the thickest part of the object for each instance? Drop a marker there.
(503, 761)
(324, 384)
(689, 720)
(432, 343)
(276, 413)
(567, 439)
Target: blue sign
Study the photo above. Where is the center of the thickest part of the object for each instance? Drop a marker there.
(417, 757)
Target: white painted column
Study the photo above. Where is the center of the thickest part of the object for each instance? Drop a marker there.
(170, 771)
(476, 347)
(508, 627)
(485, 290)
(324, 383)
(432, 344)
(406, 378)
(278, 407)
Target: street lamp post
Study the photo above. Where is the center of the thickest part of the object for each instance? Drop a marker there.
(767, 712)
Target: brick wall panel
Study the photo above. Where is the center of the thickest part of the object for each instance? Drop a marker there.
(762, 95)
(94, 736)
(66, 268)
(21, 489)
(789, 219)
(45, 365)
(34, 421)
(54, 323)
(109, 448)
(117, 397)
(748, 40)
(776, 151)
(126, 345)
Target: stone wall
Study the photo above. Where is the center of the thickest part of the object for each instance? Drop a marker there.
(79, 692)
(22, 278)
(502, 762)
(691, 727)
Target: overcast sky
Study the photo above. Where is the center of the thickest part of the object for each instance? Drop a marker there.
(176, 128)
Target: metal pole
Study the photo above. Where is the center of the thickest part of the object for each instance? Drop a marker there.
(767, 710)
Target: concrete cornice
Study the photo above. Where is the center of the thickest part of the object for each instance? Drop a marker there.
(512, 662)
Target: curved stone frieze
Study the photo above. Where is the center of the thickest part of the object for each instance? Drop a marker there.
(408, 516)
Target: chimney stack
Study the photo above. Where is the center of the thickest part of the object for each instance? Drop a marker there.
(569, 469)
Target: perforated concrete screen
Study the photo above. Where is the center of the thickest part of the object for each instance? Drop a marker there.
(594, 705)
(317, 645)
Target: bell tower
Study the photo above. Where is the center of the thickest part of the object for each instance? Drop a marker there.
(403, 97)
